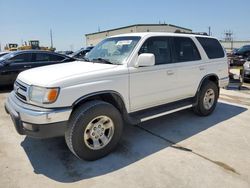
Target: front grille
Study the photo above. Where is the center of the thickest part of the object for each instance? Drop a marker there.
(21, 86)
(21, 91)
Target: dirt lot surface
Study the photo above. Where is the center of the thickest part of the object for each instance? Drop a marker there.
(178, 150)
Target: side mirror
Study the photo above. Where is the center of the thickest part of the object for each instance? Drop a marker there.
(145, 60)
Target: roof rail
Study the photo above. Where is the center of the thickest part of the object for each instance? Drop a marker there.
(195, 33)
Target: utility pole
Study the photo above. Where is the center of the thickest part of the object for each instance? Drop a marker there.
(229, 37)
(51, 39)
(209, 31)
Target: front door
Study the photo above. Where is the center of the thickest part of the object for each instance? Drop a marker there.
(155, 85)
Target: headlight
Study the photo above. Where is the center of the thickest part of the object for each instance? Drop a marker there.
(43, 95)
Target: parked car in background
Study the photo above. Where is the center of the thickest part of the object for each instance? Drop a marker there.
(68, 52)
(246, 71)
(80, 54)
(236, 60)
(244, 51)
(235, 50)
(14, 63)
(4, 53)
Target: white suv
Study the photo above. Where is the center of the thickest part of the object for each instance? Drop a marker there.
(130, 77)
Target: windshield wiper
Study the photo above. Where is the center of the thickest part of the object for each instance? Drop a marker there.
(102, 60)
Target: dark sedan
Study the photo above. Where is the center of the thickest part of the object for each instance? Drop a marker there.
(14, 63)
(80, 54)
(3, 53)
(244, 51)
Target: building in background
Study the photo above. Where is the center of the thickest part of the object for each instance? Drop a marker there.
(93, 38)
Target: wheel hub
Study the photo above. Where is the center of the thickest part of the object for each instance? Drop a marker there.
(99, 132)
(209, 99)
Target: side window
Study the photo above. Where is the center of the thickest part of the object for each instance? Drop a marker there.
(159, 46)
(42, 57)
(185, 50)
(56, 57)
(212, 47)
(22, 58)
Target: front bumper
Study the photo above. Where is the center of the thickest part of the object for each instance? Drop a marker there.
(35, 121)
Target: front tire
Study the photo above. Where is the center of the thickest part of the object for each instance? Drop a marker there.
(207, 99)
(94, 130)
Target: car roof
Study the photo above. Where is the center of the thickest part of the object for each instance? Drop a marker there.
(5, 52)
(151, 34)
(36, 51)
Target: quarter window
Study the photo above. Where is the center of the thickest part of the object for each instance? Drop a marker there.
(184, 50)
(212, 47)
(159, 46)
(56, 57)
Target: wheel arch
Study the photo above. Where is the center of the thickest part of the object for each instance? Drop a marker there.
(210, 77)
(112, 97)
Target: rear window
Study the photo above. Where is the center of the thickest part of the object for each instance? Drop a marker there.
(212, 47)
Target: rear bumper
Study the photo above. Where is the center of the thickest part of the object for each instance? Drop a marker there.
(35, 121)
(223, 82)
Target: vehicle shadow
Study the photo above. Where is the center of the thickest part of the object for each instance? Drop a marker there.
(52, 158)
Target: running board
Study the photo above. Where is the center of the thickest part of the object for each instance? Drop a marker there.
(165, 113)
(162, 110)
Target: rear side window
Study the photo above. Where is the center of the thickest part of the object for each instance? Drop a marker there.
(159, 46)
(42, 57)
(184, 50)
(212, 47)
(45, 57)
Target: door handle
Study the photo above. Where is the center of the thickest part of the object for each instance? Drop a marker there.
(27, 66)
(170, 72)
(202, 67)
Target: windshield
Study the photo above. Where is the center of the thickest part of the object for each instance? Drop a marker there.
(77, 52)
(7, 56)
(114, 50)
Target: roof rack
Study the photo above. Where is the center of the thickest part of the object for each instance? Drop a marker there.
(195, 33)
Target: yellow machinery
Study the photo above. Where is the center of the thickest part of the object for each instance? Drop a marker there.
(11, 47)
(34, 45)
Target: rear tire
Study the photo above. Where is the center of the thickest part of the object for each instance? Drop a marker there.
(94, 130)
(207, 99)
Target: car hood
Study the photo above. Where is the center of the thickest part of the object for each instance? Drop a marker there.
(52, 75)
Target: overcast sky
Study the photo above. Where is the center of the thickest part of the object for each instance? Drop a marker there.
(22, 20)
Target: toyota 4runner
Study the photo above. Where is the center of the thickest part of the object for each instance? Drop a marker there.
(126, 78)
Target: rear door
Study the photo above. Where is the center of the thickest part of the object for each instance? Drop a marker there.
(14, 66)
(189, 64)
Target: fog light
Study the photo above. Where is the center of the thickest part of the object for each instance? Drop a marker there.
(28, 126)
